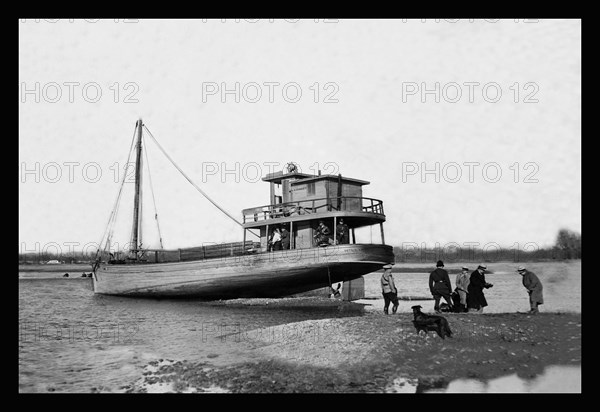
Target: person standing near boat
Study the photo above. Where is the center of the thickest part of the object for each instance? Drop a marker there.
(440, 286)
(475, 297)
(534, 288)
(335, 293)
(462, 286)
(388, 289)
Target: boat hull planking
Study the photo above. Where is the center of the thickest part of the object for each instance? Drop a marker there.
(264, 275)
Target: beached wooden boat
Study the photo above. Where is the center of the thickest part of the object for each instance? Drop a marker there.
(308, 259)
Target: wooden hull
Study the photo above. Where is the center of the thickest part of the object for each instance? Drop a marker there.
(271, 274)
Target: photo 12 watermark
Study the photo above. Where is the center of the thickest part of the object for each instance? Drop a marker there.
(271, 92)
(471, 21)
(32, 332)
(72, 21)
(467, 252)
(469, 92)
(455, 172)
(307, 333)
(210, 171)
(255, 21)
(74, 92)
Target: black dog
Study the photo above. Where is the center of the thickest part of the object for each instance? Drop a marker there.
(426, 322)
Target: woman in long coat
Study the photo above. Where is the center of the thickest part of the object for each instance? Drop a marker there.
(475, 297)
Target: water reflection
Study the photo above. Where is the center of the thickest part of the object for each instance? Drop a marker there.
(555, 379)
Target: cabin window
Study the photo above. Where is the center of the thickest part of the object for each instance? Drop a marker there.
(311, 188)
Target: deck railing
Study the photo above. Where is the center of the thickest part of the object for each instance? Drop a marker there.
(304, 207)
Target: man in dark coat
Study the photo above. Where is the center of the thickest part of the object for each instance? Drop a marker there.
(475, 297)
(322, 235)
(534, 288)
(440, 286)
(285, 238)
(341, 232)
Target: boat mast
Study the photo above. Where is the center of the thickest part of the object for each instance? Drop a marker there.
(137, 205)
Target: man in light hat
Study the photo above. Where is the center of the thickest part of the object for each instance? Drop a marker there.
(440, 286)
(475, 297)
(462, 285)
(388, 289)
(534, 288)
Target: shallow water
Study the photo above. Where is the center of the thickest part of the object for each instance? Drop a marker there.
(71, 340)
(554, 379)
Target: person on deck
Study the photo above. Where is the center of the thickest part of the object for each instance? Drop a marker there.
(475, 297)
(276, 240)
(285, 238)
(322, 235)
(440, 286)
(388, 289)
(534, 288)
(341, 232)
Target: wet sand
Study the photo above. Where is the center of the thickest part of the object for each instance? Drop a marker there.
(370, 353)
(302, 344)
(380, 353)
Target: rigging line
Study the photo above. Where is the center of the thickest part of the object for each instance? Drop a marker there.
(115, 212)
(112, 213)
(153, 198)
(141, 214)
(118, 201)
(189, 180)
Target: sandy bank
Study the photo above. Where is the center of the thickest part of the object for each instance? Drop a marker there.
(369, 353)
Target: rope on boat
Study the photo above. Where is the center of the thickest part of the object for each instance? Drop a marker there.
(109, 230)
(190, 180)
(153, 200)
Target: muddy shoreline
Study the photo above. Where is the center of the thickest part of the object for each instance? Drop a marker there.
(368, 353)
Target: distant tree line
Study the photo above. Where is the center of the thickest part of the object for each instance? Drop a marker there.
(567, 246)
(44, 257)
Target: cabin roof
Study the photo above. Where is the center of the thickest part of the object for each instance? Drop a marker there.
(330, 177)
(302, 178)
(277, 177)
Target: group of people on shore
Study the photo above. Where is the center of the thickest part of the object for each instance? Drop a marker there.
(469, 288)
(468, 292)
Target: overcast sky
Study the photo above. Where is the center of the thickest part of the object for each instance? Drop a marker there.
(469, 131)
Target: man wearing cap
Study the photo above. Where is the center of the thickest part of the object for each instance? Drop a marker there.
(475, 297)
(462, 285)
(322, 235)
(341, 231)
(440, 286)
(534, 288)
(388, 289)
